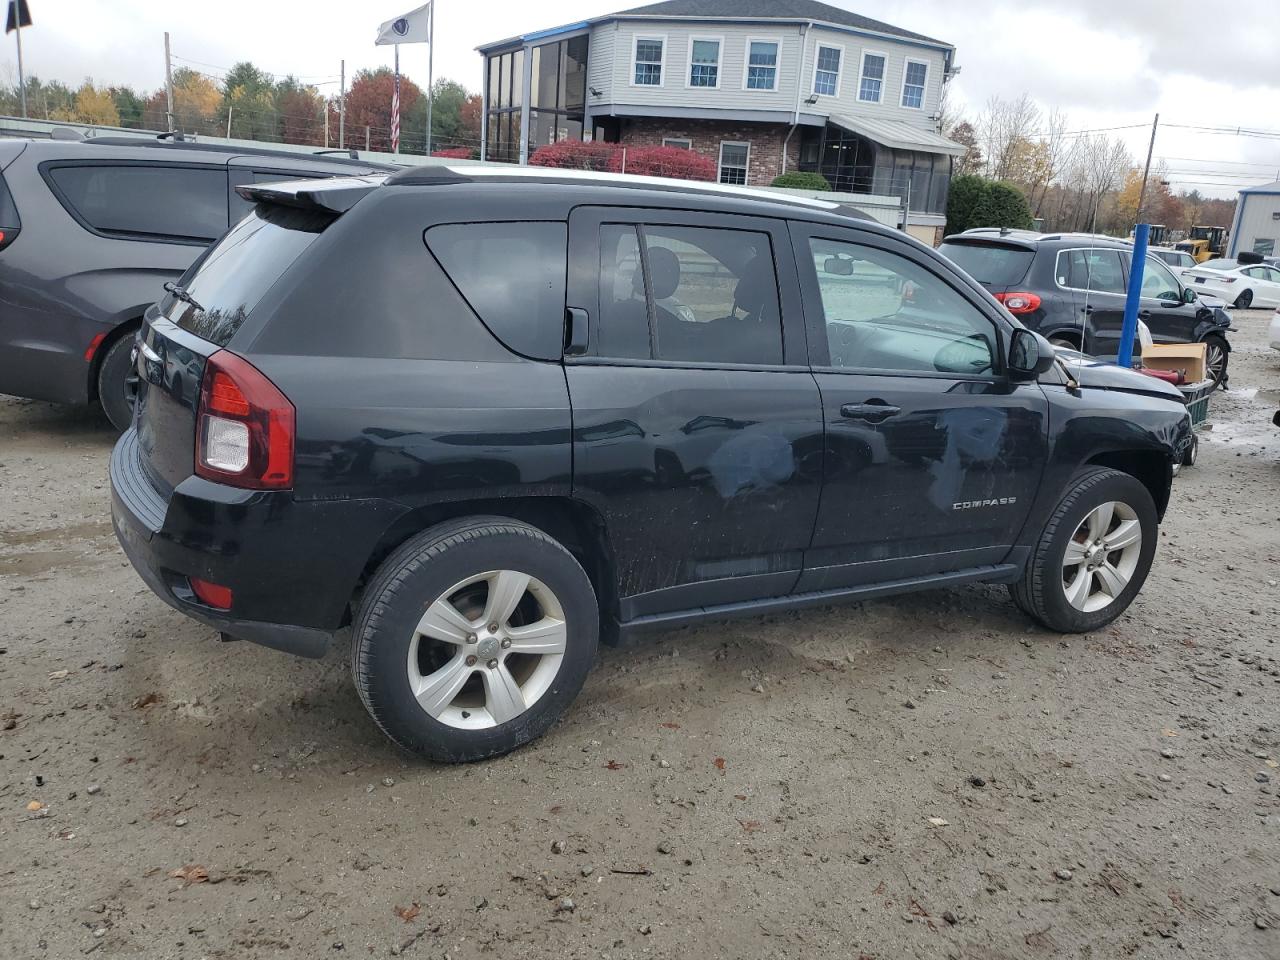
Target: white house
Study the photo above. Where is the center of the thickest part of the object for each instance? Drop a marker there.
(761, 86)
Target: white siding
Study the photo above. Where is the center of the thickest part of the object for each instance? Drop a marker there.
(1257, 221)
(613, 44)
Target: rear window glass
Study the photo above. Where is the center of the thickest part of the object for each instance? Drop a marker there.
(8, 211)
(146, 200)
(989, 263)
(513, 276)
(1219, 265)
(235, 274)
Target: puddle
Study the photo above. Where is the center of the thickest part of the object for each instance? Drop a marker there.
(1244, 419)
(34, 562)
(88, 530)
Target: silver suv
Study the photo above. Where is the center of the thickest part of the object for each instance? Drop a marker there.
(90, 231)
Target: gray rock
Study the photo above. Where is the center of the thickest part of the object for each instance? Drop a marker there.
(1165, 778)
(92, 789)
(757, 688)
(1167, 753)
(566, 905)
(664, 847)
(388, 781)
(909, 704)
(557, 846)
(588, 870)
(300, 913)
(1062, 873)
(950, 917)
(181, 822)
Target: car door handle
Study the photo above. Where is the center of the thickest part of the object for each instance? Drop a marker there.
(872, 411)
(576, 333)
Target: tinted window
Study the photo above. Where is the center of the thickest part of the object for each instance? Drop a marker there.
(1098, 271)
(1158, 283)
(712, 295)
(989, 263)
(235, 274)
(147, 200)
(8, 211)
(885, 312)
(513, 276)
(1219, 265)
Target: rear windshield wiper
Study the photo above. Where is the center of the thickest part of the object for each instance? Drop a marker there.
(181, 294)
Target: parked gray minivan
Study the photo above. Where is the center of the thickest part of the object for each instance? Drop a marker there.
(90, 231)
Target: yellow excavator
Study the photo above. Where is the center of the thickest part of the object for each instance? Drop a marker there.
(1205, 243)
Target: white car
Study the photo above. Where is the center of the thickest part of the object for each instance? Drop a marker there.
(1273, 333)
(1177, 259)
(1242, 285)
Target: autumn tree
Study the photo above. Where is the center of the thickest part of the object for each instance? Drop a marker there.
(971, 160)
(92, 105)
(369, 104)
(197, 102)
(248, 107)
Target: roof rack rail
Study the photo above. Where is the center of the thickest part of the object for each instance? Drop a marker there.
(349, 152)
(176, 135)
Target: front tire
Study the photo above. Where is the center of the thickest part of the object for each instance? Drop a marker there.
(473, 638)
(114, 388)
(1093, 555)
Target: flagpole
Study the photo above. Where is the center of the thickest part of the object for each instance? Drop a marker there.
(395, 107)
(431, 51)
(16, 6)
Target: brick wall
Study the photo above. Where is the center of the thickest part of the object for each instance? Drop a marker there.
(765, 157)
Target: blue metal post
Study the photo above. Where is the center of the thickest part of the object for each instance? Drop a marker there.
(1129, 332)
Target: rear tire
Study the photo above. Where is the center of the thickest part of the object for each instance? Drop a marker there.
(1065, 342)
(113, 382)
(1244, 301)
(1096, 583)
(473, 638)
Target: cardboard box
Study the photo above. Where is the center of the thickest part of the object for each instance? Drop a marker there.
(1185, 358)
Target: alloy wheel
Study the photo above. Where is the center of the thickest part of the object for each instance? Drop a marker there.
(487, 649)
(1101, 556)
(1216, 361)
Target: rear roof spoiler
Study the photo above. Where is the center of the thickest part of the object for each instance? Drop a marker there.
(335, 195)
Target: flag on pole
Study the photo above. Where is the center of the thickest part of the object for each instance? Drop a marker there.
(395, 107)
(412, 27)
(20, 16)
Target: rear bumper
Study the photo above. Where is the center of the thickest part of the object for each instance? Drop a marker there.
(292, 566)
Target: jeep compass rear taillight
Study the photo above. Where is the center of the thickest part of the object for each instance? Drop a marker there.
(244, 427)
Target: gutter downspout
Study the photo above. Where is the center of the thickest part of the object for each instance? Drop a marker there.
(795, 119)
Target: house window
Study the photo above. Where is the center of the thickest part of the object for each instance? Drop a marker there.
(913, 79)
(648, 72)
(733, 162)
(762, 65)
(704, 63)
(872, 82)
(826, 72)
(680, 143)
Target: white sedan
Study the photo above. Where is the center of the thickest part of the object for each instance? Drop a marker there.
(1273, 334)
(1242, 285)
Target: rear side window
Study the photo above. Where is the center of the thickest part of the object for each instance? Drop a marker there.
(513, 276)
(989, 263)
(1096, 271)
(697, 295)
(145, 201)
(235, 274)
(8, 210)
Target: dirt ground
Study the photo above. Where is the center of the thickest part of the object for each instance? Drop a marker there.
(923, 777)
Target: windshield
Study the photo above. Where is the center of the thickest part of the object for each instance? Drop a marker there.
(989, 263)
(231, 279)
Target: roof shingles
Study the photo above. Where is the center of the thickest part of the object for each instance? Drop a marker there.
(772, 10)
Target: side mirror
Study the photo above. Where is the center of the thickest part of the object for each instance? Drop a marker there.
(1188, 295)
(1029, 355)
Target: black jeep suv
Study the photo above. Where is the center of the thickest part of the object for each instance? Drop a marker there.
(1072, 287)
(488, 416)
(90, 230)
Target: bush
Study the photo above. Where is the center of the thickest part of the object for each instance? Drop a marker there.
(665, 162)
(575, 155)
(975, 202)
(801, 181)
(455, 153)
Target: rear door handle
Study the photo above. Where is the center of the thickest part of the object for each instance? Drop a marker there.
(872, 412)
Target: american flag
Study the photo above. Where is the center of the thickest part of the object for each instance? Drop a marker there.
(395, 107)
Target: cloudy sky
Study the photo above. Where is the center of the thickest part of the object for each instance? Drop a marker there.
(1108, 63)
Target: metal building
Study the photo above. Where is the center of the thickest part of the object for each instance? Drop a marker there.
(1256, 226)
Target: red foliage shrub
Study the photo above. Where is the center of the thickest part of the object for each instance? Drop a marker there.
(454, 153)
(641, 161)
(666, 162)
(575, 155)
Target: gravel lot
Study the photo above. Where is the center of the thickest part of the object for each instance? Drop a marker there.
(923, 777)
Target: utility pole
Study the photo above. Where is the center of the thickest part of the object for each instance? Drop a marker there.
(326, 125)
(1146, 171)
(230, 107)
(16, 7)
(168, 80)
(366, 138)
(431, 53)
(342, 105)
